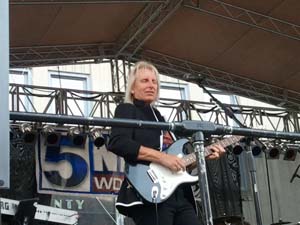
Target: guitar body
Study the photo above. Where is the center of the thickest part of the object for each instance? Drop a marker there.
(155, 183)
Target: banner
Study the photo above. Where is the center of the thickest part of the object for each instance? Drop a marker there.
(69, 169)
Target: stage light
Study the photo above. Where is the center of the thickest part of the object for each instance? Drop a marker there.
(97, 137)
(52, 138)
(273, 152)
(237, 149)
(256, 150)
(27, 134)
(290, 153)
(78, 138)
(258, 147)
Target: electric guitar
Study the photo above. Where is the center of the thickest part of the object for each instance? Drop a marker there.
(155, 183)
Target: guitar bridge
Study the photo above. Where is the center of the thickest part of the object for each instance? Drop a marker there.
(152, 176)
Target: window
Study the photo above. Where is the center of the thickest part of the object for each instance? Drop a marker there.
(20, 76)
(176, 91)
(18, 100)
(73, 82)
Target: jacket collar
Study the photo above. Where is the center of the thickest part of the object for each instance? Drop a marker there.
(140, 103)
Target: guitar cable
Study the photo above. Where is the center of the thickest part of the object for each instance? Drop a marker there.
(154, 200)
(156, 213)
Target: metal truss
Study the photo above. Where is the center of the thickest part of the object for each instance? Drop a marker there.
(130, 44)
(222, 80)
(119, 70)
(98, 104)
(170, 66)
(47, 2)
(247, 17)
(140, 30)
(145, 24)
(62, 101)
(59, 55)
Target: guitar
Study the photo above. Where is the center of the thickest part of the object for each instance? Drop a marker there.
(155, 183)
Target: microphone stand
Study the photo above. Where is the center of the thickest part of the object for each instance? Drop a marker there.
(252, 169)
(229, 112)
(269, 187)
(198, 143)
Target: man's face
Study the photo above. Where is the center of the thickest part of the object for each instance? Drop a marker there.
(145, 86)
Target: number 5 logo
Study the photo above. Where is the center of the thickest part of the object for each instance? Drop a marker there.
(78, 164)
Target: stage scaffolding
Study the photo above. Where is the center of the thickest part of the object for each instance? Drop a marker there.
(45, 101)
(59, 101)
(129, 48)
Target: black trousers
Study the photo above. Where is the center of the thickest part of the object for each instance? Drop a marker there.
(176, 210)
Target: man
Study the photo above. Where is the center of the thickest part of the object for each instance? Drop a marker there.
(145, 146)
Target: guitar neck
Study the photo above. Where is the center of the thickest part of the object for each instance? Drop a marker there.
(191, 158)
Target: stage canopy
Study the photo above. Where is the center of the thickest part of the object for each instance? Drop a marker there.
(249, 48)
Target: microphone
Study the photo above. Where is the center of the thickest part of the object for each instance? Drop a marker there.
(295, 174)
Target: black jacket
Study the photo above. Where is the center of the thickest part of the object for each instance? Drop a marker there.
(125, 142)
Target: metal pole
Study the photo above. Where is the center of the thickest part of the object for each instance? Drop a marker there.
(269, 187)
(198, 143)
(252, 169)
(4, 112)
(184, 127)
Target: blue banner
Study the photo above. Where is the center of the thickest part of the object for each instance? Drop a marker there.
(69, 169)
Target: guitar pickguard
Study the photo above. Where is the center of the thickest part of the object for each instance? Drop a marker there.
(169, 180)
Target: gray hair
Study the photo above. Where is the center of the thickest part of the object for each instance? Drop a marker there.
(132, 77)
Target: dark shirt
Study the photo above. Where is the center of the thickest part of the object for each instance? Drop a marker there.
(126, 142)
